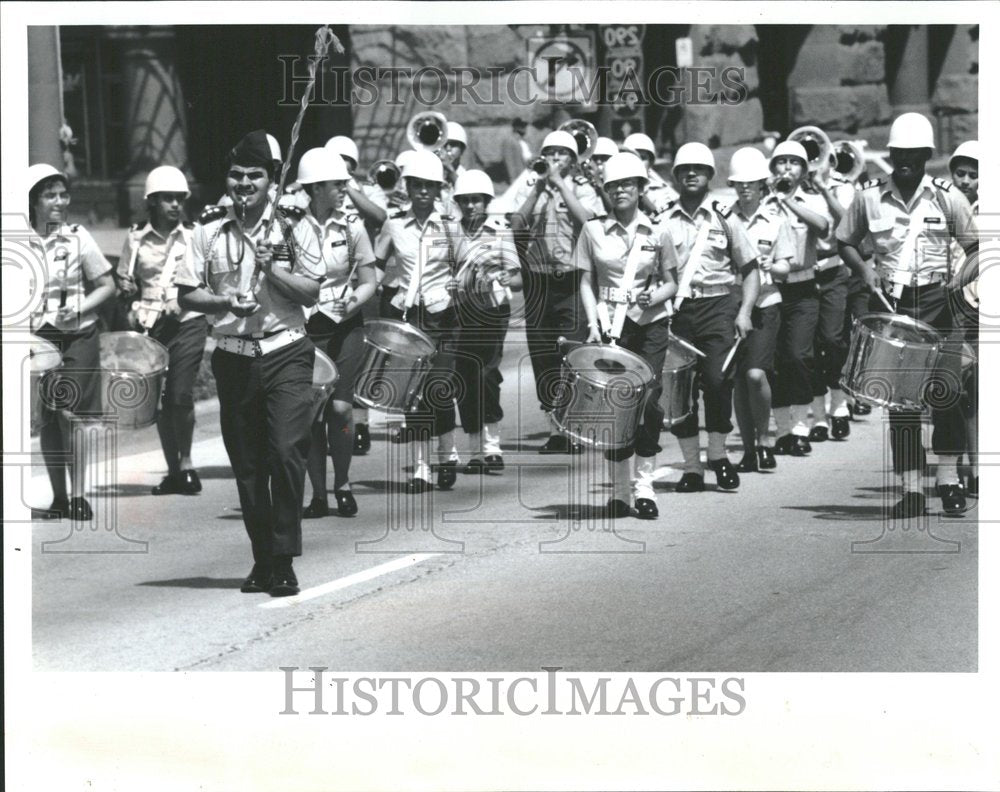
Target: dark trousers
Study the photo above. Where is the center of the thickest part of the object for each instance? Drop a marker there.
(551, 309)
(650, 343)
(478, 354)
(794, 359)
(856, 304)
(435, 412)
(830, 340)
(709, 324)
(931, 305)
(266, 410)
(185, 341)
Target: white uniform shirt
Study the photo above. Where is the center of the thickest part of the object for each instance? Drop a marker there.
(144, 256)
(343, 243)
(424, 253)
(481, 257)
(73, 261)
(770, 232)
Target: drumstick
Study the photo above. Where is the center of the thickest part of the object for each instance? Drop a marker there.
(885, 302)
(63, 292)
(350, 275)
(731, 355)
(688, 345)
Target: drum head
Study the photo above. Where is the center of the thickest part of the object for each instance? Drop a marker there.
(44, 355)
(678, 356)
(129, 351)
(895, 327)
(398, 337)
(607, 365)
(324, 370)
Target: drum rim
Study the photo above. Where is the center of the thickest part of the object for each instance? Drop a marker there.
(582, 375)
(132, 333)
(902, 319)
(399, 324)
(333, 365)
(47, 348)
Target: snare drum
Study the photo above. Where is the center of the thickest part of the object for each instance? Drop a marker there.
(397, 360)
(133, 373)
(45, 358)
(325, 376)
(605, 396)
(891, 361)
(679, 375)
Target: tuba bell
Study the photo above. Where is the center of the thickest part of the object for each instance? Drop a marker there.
(817, 145)
(427, 131)
(848, 159)
(385, 174)
(584, 134)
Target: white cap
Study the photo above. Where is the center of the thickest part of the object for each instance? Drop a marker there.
(969, 149)
(625, 165)
(272, 143)
(605, 147)
(694, 154)
(344, 146)
(424, 165)
(402, 158)
(561, 139)
(320, 165)
(41, 172)
(790, 148)
(911, 131)
(748, 164)
(640, 142)
(456, 132)
(166, 178)
(474, 182)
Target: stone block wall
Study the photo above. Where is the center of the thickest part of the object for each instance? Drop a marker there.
(955, 96)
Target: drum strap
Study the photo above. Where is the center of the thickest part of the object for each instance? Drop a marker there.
(904, 273)
(631, 265)
(326, 292)
(692, 265)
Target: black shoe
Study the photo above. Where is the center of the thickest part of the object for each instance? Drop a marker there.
(910, 505)
(691, 482)
(749, 462)
(972, 488)
(258, 581)
(841, 428)
(318, 507)
(190, 483)
(346, 505)
(80, 510)
(765, 458)
(788, 445)
(576, 448)
(418, 486)
(952, 498)
(556, 444)
(803, 445)
(618, 508)
(494, 463)
(171, 485)
(725, 474)
(56, 511)
(860, 408)
(645, 509)
(284, 583)
(475, 467)
(819, 434)
(362, 439)
(447, 474)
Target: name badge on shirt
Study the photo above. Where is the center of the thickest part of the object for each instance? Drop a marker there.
(339, 243)
(649, 248)
(439, 242)
(933, 220)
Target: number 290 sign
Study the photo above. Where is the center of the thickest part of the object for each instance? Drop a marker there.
(622, 39)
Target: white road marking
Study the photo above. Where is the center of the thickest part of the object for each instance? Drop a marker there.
(350, 580)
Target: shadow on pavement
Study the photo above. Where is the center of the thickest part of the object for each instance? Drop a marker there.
(197, 583)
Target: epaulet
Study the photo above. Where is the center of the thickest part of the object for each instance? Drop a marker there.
(867, 183)
(447, 217)
(188, 224)
(599, 218)
(293, 213)
(942, 184)
(499, 223)
(353, 218)
(722, 209)
(670, 205)
(581, 180)
(211, 213)
(397, 215)
(75, 227)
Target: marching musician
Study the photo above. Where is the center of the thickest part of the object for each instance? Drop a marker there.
(254, 281)
(487, 271)
(910, 220)
(658, 193)
(769, 231)
(422, 241)
(147, 269)
(77, 281)
(336, 325)
(604, 149)
(451, 153)
(964, 168)
(809, 221)
(549, 212)
(709, 312)
(628, 266)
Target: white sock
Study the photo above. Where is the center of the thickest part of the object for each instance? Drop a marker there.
(420, 452)
(910, 481)
(819, 411)
(838, 403)
(620, 474)
(643, 482)
(360, 415)
(491, 439)
(447, 451)
(947, 470)
(798, 416)
(782, 420)
(475, 443)
(716, 446)
(691, 449)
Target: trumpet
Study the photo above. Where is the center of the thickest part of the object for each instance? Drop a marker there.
(584, 134)
(385, 174)
(817, 145)
(427, 131)
(540, 165)
(848, 159)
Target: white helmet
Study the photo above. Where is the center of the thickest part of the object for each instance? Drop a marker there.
(320, 165)
(694, 154)
(560, 139)
(969, 149)
(402, 158)
(789, 148)
(625, 165)
(424, 165)
(166, 178)
(272, 143)
(40, 172)
(473, 182)
(456, 132)
(640, 142)
(748, 164)
(605, 147)
(911, 131)
(344, 146)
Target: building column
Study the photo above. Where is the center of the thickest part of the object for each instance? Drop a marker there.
(909, 91)
(44, 96)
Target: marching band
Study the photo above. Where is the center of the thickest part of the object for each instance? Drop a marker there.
(645, 293)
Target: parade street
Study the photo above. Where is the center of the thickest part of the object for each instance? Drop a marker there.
(792, 572)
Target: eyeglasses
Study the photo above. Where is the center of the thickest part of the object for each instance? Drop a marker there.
(254, 175)
(622, 186)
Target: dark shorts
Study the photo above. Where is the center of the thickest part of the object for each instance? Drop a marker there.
(759, 346)
(344, 344)
(76, 385)
(185, 341)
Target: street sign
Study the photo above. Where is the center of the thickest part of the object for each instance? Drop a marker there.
(564, 67)
(685, 52)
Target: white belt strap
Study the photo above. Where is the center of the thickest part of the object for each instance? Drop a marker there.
(631, 265)
(692, 265)
(905, 271)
